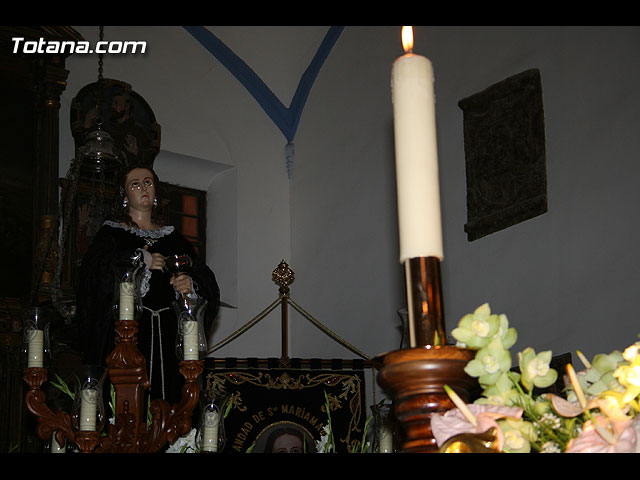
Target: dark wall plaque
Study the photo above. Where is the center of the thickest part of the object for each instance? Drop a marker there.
(504, 144)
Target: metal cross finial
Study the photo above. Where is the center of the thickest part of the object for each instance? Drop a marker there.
(283, 276)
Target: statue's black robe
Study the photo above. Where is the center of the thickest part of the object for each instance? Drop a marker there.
(102, 266)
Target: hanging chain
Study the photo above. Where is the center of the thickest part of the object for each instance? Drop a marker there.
(100, 84)
(100, 55)
(101, 173)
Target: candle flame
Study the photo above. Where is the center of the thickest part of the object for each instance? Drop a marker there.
(407, 39)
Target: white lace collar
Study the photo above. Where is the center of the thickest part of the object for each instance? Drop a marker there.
(159, 233)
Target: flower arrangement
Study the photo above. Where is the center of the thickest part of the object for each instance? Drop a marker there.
(599, 412)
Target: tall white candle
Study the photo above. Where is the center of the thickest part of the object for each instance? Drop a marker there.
(190, 340)
(35, 349)
(418, 188)
(126, 301)
(386, 439)
(88, 409)
(210, 431)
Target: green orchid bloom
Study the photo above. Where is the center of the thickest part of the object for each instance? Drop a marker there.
(603, 363)
(599, 377)
(542, 406)
(518, 435)
(508, 336)
(608, 381)
(475, 330)
(535, 369)
(489, 363)
(500, 393)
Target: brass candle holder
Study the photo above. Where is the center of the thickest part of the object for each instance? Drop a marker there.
(414, 377)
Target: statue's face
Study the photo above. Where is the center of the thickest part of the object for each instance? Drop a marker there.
(140, 189)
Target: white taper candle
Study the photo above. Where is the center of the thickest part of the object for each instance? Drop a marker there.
(35, 349)
(418, 188)
(210, 431)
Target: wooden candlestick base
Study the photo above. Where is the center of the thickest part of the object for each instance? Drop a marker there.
(414, 378)
(129, 433)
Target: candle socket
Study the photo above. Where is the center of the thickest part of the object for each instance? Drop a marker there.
(424, 302)
(414, 378)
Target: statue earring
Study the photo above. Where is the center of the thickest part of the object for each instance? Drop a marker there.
(124, 203)
(155, 202)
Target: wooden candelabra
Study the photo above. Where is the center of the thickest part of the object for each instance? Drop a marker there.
(414, 377)
(129, 433)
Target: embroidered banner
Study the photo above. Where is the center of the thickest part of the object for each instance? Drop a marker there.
(276, 408)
